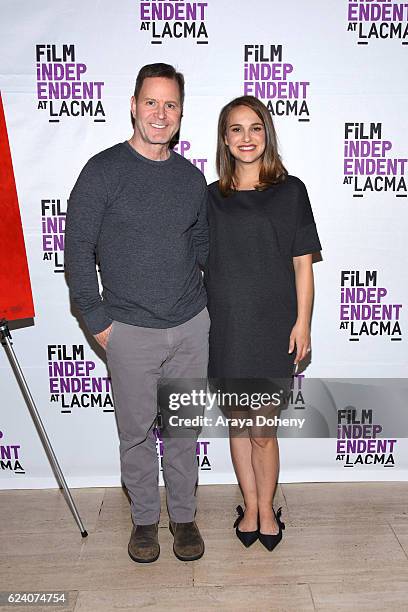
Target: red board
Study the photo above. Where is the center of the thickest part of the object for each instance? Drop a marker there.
(16, 300)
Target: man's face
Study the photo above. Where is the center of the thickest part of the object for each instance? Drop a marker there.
(157, 110)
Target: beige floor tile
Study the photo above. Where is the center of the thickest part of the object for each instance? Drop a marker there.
(277, 598)
(382, 595)
(391, 492)
(349, 540)
(45, 572)
(103, 561)
(400, 528)
(322, 497)
(327, 502)
(388, 499)
(397, 515)
(115, 511)
(318, 553)
(33, 544)
(33, 511)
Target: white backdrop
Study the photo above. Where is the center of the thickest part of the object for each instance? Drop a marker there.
(351, 86)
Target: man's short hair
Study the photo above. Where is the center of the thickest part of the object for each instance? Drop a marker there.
(159, 70)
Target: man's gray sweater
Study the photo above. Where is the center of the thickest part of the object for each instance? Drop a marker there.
(145, 222)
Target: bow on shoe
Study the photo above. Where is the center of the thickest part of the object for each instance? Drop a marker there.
(240, 516)
(278, 518)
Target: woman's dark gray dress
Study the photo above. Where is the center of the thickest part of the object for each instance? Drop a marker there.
(250, 277)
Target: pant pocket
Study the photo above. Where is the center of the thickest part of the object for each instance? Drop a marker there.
(109, 341)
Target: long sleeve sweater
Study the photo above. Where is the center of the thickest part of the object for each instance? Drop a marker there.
(145, 223)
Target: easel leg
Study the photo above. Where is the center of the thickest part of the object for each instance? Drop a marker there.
(6, 342)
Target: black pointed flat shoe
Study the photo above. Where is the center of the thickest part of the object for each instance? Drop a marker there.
(246, 537)
(270, 541)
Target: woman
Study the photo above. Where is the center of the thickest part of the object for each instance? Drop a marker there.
(260, 290)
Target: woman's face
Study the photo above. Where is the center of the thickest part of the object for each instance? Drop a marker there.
(245, 135)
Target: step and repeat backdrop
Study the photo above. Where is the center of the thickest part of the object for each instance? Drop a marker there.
(333, 76)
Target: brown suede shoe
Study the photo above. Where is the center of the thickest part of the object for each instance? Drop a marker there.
(188, 543)
(144, 543)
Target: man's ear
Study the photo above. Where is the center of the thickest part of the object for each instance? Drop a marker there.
(133, 106)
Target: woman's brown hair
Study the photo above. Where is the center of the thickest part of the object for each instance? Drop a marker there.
(272, 170)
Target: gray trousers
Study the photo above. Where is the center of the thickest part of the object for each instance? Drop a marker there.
(138, 358)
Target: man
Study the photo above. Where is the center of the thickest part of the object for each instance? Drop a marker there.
(140, 208)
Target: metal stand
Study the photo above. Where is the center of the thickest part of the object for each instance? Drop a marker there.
(5, 338)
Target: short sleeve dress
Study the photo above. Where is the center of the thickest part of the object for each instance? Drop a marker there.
(250, 277)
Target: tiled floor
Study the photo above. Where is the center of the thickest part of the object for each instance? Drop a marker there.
(345, 547)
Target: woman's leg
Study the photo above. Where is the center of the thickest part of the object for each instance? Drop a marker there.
(265, 464)
(241, 452)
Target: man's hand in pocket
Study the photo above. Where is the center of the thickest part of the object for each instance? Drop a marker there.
(103, 336)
